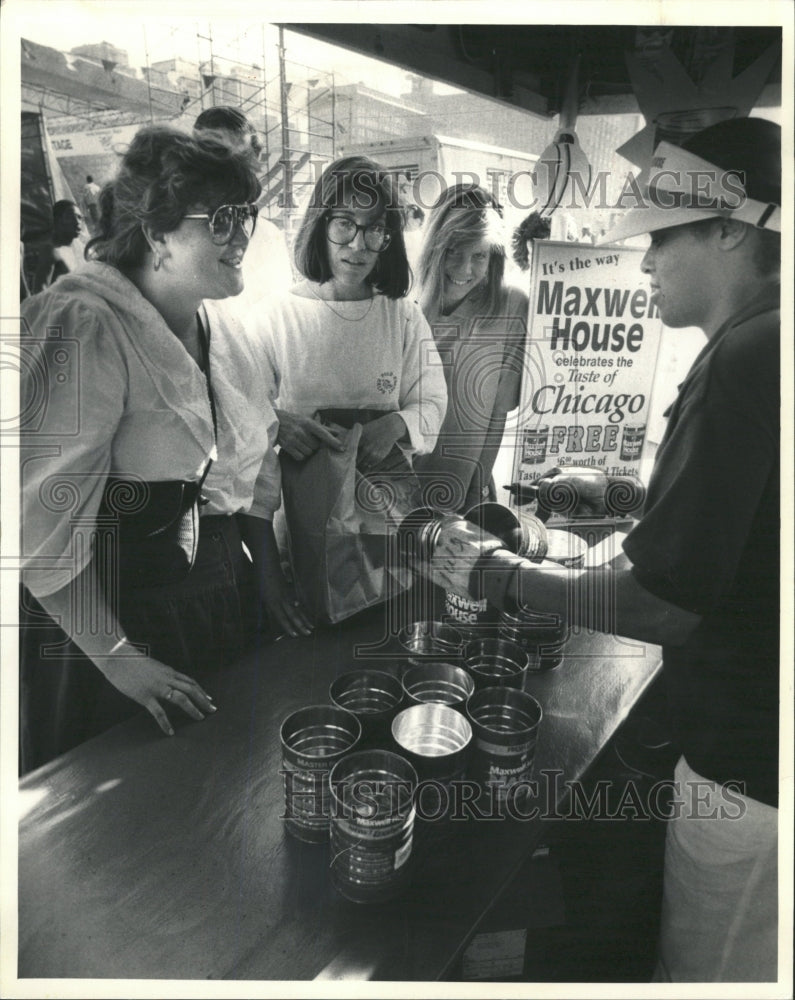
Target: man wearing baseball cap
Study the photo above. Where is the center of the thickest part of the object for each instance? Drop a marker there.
(701, 568)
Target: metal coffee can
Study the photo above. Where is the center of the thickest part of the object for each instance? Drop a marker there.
(374, 697)
(523, 533)
(372, 824)
(541, 635)
(313, 740)
(443, 683)
(470, 618)
(417, 535)
(431, 640)
(632, 442)
(505, 726)
(496, 662)
(435, 738)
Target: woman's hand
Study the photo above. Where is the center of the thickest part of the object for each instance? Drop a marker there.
(154, 685)
(275, 594)
(140, 677)
(301, 436)
(281, 602)
(378, 438)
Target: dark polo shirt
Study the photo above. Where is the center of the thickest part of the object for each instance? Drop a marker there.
(708, 542)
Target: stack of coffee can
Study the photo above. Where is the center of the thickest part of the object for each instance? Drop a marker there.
(542, 636)
(525, 536)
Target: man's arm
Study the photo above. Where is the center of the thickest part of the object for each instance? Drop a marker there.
(603, 599)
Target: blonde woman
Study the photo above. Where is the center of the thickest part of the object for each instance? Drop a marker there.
(479, 325)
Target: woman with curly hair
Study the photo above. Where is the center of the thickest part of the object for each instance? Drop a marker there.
(146, 409)
(479, 326)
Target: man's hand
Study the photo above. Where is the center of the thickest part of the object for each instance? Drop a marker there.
(576, 491)
(301, 436)
(378, 438)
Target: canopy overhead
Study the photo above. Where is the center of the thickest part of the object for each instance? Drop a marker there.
(527, 65)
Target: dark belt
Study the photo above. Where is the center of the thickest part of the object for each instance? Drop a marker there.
(156, 529)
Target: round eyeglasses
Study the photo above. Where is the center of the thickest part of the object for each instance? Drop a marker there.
(342, 230)
(226, 219)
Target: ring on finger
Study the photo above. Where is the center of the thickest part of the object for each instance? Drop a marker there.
(170, 694)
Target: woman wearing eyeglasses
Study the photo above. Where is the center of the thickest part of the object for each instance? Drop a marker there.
(346, 337)
(142, 406)
(479, 326)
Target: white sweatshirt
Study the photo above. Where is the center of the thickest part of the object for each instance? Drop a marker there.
(378, 354)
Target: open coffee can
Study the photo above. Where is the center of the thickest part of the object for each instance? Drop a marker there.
(444, 683)
(496, 662)
(505, 731)
(431, 640)
(436, 740)
(373, 696)
(313, 740)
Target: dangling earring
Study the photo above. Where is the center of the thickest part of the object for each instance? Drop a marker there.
(157, 261)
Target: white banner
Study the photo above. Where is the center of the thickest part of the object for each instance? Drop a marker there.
(96, 143)
(591, 351)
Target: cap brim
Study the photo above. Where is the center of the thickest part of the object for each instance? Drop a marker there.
(650, 218)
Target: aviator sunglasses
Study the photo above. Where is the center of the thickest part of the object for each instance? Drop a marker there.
(226, 218)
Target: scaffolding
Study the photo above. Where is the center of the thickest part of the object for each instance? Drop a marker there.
(286, 108)
(292, 106)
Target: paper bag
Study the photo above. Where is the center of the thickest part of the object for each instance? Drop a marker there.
(342, 527)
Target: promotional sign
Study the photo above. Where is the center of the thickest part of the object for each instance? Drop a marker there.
(593, 334)
(97, 142)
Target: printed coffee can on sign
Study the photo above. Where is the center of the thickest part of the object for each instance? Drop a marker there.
(534, 445)
(632, 442)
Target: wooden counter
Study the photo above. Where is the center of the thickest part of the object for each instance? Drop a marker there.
(145, 857)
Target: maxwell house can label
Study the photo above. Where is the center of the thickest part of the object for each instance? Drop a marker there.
(466, 614)
(632, 442)
(534, 445)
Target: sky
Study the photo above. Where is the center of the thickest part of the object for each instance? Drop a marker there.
(164, 30)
